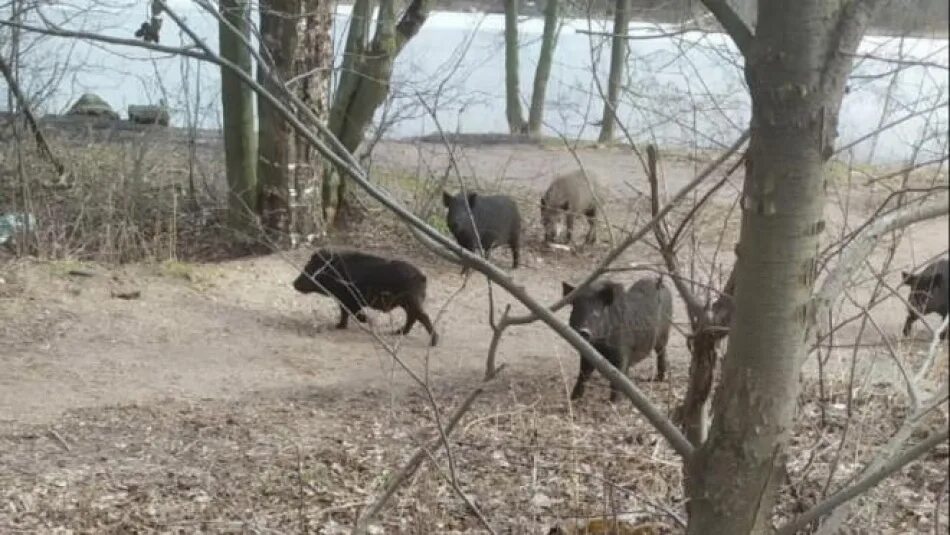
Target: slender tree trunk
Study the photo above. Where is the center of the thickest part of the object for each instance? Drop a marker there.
(516, 124)
(796, 66)
(237, 102)
(364, 85)
(543, 71)
(278, 44)
(312, 67)
(618, 56)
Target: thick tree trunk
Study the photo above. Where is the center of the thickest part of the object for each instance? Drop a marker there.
(278, 45)
(543, 71)
(237, 103)
(618, 56)
(312, 68)
(515, 115)
(795, 67)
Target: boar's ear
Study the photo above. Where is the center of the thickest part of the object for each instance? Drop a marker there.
(471, 199)
(446, 199)
(566, 288)
(607, 294)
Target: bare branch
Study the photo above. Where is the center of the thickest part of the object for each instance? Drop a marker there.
(867, 482)
(892, 124)
(730, 21)
(854, 255)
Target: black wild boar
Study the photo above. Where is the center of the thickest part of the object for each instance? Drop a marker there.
(929, 292)
(567, 197)
(496, 219)
(623, 325)
(358, 280)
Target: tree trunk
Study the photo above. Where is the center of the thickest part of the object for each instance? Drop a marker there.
(543, 71)
(516, 124)
(313, 62)
(357, 41)
(618, 56)
(237, 103)
(796, 66)
(364, 85)
(278, 45)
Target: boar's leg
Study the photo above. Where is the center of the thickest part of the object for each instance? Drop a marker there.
(415, 312)
(660, 363)
(423, 318)
(621, 360)
(660, 348)
(911, 317)
(348, 309)
(582, 377)
(344, 318)
(515, 244)
(592, 227)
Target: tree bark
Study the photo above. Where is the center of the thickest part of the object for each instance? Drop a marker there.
(237, 102)
(313, 62)
(515, 115)
(618, 56)
(278, 32)
(796, 66)
(543, 71)
(365, 84)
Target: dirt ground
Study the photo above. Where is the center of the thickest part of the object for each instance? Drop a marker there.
(216, 399)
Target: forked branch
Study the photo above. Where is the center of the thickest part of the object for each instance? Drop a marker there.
(731, 22)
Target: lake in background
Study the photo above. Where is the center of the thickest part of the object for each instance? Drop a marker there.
(686, 90)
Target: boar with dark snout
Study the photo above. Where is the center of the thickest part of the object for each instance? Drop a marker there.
(624, 326)
(358, 280)
(567, 197)
(929, 292)
(496, 222)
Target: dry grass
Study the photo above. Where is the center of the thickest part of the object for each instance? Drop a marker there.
(307, 462)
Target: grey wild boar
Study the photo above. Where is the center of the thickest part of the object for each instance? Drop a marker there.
(358, 280)
(567, 197)
(496, 222)
(623, 325)
(929, 292)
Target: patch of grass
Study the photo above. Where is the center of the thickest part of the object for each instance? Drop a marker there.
(177, 269)
(197, 276)
(65, 267)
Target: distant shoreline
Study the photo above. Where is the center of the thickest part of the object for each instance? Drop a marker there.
(936, 28)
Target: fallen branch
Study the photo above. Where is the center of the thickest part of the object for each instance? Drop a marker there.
(408, 469)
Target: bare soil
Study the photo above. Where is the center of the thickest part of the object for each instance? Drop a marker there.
(219, 400)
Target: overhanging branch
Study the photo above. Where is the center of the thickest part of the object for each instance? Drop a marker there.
(732, 23)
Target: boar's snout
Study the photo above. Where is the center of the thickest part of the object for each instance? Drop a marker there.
(303, 284)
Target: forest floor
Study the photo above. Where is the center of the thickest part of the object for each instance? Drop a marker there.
(213, 398)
